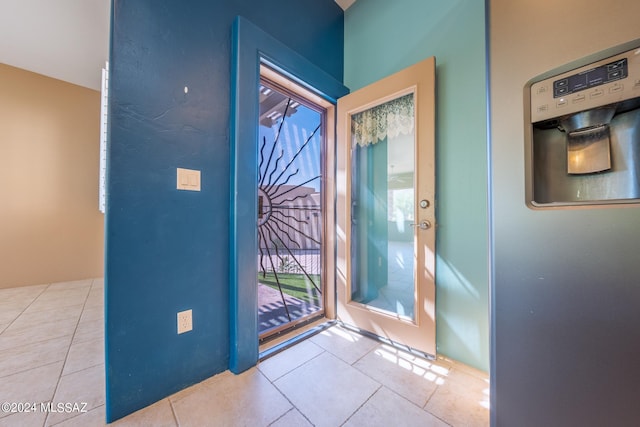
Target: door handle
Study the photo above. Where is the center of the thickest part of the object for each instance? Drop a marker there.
(354, 206)
(424, 225)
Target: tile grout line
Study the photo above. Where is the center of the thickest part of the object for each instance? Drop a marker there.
(314, 357)
(291, 403)
(398, 394)
(173, 411)
(337, 356)
(67, 356)
(364, 355)
(382, 385)
(297, 367)
(16, 318)
(24, 345)
(31, 369)
(349, 364)
(284, 415)
(430, 396)
(79, 414)
(34, 367)
(451, 369)
(284, 395)
(423, 408)
(25, 309)
(363, 403)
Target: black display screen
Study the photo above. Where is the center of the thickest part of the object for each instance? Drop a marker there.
(590, 78)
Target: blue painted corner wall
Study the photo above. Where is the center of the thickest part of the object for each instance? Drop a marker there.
(168, 250)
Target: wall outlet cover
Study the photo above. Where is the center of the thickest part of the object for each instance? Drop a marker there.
(185, 321)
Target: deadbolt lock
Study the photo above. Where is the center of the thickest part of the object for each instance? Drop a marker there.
(424, 203)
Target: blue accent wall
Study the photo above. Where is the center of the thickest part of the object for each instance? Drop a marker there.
(383, 37)
(168, 250)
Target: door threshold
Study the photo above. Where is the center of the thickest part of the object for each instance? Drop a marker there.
(277, 344)
(387, 341)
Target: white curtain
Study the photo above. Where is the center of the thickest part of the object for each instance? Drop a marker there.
(390, 119)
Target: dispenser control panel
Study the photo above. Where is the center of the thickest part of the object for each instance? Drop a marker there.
(604, 82)
(592, 77)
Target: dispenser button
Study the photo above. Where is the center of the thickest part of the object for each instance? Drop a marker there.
(613, 75)
(636, 85)
(596, 93)
(561, 83)
(542, 89)
(562, 102)
(616, 88)
(615, 65)
(578, 98)
(543, 108)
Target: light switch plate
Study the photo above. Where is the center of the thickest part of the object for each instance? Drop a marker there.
(188, 179)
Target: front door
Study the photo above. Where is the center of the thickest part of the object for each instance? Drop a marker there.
(385, 208)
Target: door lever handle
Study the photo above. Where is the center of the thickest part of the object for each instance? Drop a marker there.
(424, 225)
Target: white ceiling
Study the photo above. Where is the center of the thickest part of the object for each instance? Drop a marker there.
(63, 39)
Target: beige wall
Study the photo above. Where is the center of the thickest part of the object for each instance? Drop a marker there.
(50, 226)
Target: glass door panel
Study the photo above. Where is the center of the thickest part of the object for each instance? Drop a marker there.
(382, 177)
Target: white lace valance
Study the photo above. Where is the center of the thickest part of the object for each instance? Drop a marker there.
(386, 120)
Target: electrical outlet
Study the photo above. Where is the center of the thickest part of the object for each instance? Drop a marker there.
(185, 321)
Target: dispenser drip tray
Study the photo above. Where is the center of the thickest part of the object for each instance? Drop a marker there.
(589, 150)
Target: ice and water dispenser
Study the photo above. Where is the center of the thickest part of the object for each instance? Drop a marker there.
(583, 144)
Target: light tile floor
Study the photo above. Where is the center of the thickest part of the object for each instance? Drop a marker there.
(52, 350)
